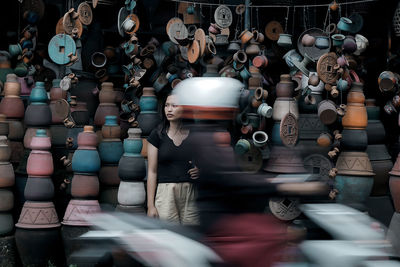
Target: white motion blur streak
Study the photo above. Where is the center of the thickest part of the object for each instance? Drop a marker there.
(156, 247)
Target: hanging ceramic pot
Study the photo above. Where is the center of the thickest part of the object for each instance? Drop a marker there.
(234, 46)
(308, 40)
(322, 42)
(338, 39)
(344, 24)
(253, 48)
(349, 44)
(285, 40)
(245, 36)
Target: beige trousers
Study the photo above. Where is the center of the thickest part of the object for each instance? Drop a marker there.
(175, 202)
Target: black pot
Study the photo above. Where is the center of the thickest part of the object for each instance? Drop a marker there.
(375, 132)
(37, 247)
(38, 115)
(80, 117)
(148, 121)
(39, 189)
(131, 168)
(354, 140)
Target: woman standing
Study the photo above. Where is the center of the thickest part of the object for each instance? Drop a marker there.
(170, 191)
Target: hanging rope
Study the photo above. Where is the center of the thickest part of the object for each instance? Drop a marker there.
(287, 18)
(267, 6)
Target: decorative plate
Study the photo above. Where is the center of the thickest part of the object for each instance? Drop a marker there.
(289, 130)
(223, 16)
(85, 13)
(273, 30)
(326, 68)
(313, 52)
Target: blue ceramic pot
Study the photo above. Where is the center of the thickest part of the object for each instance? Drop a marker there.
(353, 189)
(132, 147)
(275, 134)
(111, 120)
(110, 152)
(148, 103)
(38, 94)
(86, 161)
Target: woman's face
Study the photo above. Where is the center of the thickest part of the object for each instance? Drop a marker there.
(172, 109)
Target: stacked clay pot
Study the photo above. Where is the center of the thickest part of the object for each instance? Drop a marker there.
(57, 128)
(37, 235)
(355, 175)
(148, 118)
(13, 108)
(107, 104)
(377, 152)
(7, 181)
(110, 150)
(84, 190)
(132, 171)
(283, 159)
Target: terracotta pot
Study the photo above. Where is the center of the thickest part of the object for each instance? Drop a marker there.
(260, 61)
(253, 48)
(40, 141)
(87, 139)
(39, 189)
(285, 87)
(16, 130)
(103, 110)
(47, 217)
(55, 118)
(245, 36)
(38, 115)
(6, 200)
(282, 106)
(356, 113)
(7, 178)
(107, 94)
(327, 112)
(56, 92)
(77, 210)
(12, 107)
(4, 127)
(85, 186)
(111, 129)
(131, 193)
(354, 140)
(30, 133)
(354, 164)
(12, 87)
(40, 163)
(108, 175)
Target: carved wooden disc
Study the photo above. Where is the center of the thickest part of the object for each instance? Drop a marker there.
(273, 30)
(289, 130)
(70, 23)
(177, 31)
(60, 26)
(223, 16)
(200, 36)
(61, 108)
(85, 13)
(325, 68)
(285, 209)
(193, 52)
(172, 21)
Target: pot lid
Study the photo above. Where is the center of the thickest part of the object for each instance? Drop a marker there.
(313, 52)
(325, 68)
(223, 16)
(60, 46)
(177, 30)
(122, 14)
(200, 36)
(85, 13)
(285, 209)
(273, 30)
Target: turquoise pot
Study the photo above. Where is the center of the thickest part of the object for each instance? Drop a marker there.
(111, 152)
(110, 120)
(15, 49)
(242, 146)
(353, 189)
(21, 70)
(132, 147)
(86, 161)
(148, 103)
(4, 73)
(275, 134)
(38, 94)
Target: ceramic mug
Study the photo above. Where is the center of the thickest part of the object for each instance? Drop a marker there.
(265, 110)
(128, 24)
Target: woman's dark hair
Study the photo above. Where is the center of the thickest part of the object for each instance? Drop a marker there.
(164, 125)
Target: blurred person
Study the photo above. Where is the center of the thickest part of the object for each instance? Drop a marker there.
(231, 203)
(170, 190)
